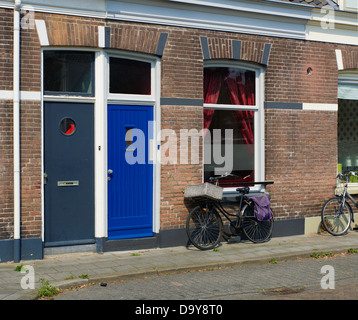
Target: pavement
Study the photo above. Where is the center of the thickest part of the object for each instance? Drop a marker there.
(78, 269)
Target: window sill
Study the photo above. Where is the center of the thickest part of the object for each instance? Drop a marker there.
(55, 98)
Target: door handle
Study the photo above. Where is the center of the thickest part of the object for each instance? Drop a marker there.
(110, 172)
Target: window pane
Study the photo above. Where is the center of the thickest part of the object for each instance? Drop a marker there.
(229, 86)
(130, 76)
(348, 135)
(67, 126)
(241, 125)
(68, 72)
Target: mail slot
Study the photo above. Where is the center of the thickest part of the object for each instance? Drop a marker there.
(68, 183)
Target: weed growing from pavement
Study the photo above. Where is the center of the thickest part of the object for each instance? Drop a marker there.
(352, 251)
(82, 276)
(47, 290)
(19, 267)
(330, 254)
(321, 255)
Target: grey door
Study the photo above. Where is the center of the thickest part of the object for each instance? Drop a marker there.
(69, 173)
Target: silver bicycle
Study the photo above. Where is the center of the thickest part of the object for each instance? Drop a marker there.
(337, 213)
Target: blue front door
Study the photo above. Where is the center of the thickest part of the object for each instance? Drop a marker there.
(130, 172)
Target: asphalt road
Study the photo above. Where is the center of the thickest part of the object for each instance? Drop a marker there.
(308, 279)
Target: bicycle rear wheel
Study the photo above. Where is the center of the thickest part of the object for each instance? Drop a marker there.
(204, 228)
(335, 217)
(255, 230)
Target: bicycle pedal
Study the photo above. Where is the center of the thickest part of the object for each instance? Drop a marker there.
(235, 239)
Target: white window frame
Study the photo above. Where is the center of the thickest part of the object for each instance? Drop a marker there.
(349, 77)
(149, 99)
(259, 119)
(73, 97)
(346, 5)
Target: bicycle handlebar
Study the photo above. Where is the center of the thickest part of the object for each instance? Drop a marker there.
(258, 182)
(226, 174)
(216, 179)
(346, 175)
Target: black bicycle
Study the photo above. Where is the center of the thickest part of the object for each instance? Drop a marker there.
(337, 213)
(204, 224)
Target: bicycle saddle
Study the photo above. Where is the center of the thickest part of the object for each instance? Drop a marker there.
(244, 190)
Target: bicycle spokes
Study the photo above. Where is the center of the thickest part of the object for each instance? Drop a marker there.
(204, 228)
(255, 230)
(336, 216)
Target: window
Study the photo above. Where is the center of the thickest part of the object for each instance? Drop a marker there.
(129, 136)
(129, 76)
(347, 122)
(229, 86)
(348, 5)
(230, 109)
(67, 126)
(69, 72)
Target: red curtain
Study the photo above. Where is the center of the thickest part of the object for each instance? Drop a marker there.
(242, 94)
(212, 85)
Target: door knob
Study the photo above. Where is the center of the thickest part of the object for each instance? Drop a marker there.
(110, 171)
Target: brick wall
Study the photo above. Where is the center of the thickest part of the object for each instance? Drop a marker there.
(31, 169)
(301, 157)
(30, 138)
(182, 71)
(176, 175)
(65, 30)
(287, 79)
(6, 170)
(30, 132)
(349, 56)
(300, 148)
(30, 67)
(6, 41)
(6, 149)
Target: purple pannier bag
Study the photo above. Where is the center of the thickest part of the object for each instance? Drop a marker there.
(262, 209)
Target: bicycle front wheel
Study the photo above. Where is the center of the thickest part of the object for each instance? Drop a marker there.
(255, 230)
(336, 217)
(204, 228)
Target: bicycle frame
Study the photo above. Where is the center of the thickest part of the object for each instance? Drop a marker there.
(218, 206)
(346, 194)
(217, 203)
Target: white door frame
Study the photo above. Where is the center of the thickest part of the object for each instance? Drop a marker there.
(103, 98)
(58, 98)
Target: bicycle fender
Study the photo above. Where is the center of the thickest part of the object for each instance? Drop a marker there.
(350, 208)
